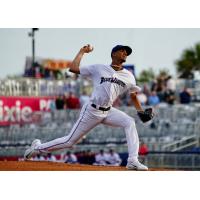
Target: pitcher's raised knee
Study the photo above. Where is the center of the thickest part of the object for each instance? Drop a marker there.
(129, 122)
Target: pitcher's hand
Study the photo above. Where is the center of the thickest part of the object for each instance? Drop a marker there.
(87, 49)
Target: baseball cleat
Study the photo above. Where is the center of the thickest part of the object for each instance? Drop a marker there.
(30, 152)
(136, 165)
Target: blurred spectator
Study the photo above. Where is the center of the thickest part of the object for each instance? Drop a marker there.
(70, 158)
(171, 84)
(146, 90)
(51, 75)
(86, 157)
(142, 98)
(89, 157)
(59, 102)
(161, 84)
(154, 85)
(143, 150)
(82, 157)
(161, 94)
(72, 101)
(65, 97)
(31, 72)
(185, 96)
(58, 74)
(51, 157)
(38, 157)
(101, 158)
(84, 98)
(169, 96)
(113, 158)
(37, 72)
(153, 99)
(52, 105)
(46, 73)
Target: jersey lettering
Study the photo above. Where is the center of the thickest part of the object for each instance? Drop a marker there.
(112, 80)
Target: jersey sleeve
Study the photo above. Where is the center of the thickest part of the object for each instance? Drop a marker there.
(87, 70)
(134, 88)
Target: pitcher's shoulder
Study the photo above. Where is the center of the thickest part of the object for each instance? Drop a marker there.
(128, 73)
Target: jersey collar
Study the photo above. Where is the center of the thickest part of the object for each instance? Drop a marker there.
(116, 70)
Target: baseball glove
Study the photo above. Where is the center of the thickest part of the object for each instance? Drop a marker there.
(146, 115)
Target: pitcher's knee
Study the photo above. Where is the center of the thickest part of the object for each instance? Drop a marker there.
(129, 122)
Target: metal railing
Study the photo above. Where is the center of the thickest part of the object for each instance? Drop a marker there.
(182, 144)
(168, 160)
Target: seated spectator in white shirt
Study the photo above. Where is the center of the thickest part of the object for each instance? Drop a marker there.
(113, 158)
(101, 158)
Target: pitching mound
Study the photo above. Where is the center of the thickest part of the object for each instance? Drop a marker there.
(54, 166)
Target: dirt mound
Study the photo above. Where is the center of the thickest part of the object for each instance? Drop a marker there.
(55, 166)
(52, 166)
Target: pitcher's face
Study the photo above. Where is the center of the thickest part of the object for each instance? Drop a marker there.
(120, 55)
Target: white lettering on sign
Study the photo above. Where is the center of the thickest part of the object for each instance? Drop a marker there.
(1, 110)
(45, 104)
(26, 111)
(15, 113)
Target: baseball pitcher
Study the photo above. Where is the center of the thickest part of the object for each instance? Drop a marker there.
(109, 82)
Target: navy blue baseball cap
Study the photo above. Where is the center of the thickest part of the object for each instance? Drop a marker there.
(120, 47)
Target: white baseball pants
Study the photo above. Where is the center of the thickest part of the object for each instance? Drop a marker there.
(88, 119)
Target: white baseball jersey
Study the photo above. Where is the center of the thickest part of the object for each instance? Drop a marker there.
(108, 85)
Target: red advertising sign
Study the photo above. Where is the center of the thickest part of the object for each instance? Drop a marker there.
(20, 109)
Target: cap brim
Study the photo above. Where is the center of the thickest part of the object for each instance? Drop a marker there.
(121, 47)
(128, 50)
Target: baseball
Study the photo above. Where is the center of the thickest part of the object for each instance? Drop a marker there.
(91, 48)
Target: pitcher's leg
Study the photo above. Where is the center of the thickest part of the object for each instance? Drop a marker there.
(83, 125)
(132, 139)
(118, 118)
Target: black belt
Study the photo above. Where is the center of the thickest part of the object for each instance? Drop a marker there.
(100, 108)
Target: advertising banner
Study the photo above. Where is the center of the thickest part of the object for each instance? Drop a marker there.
(21, 109)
